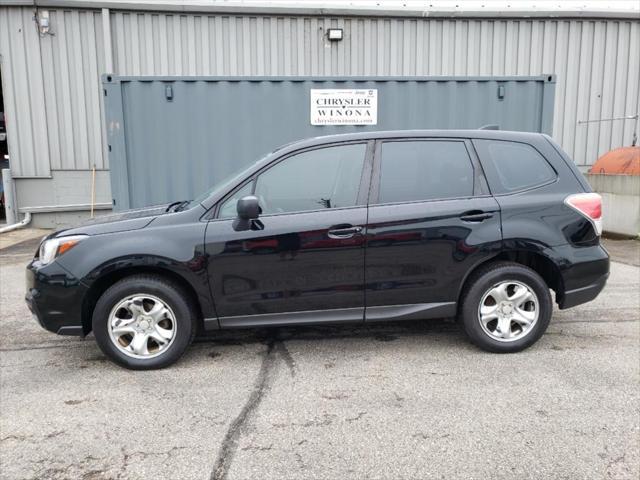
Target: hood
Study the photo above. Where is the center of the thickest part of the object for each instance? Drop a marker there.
(118, 222)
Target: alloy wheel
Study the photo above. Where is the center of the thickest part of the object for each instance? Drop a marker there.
(508, 311)
(142, 326)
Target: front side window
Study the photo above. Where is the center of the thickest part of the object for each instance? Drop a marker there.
(424, 170)
(512, 166)
(316, 179)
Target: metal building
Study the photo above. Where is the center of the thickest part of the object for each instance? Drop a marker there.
(54, 51)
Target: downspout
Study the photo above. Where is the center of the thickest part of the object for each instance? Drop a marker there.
(10, 206)
(25, 221)
(28, 211)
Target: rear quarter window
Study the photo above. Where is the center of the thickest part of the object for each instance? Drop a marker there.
(513, 166)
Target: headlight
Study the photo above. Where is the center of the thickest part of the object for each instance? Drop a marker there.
(51, 249)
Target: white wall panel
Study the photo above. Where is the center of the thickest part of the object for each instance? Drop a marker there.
(53, 91)
(23, 92)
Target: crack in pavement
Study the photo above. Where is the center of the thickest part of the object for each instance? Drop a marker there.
(286, 356)
(632, 320)
(44, 347)
(127, 457)
(229, 445)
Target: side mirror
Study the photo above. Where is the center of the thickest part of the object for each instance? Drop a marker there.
(248, 212)
(248, 207)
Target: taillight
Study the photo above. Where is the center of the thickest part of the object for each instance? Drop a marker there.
(589, 205)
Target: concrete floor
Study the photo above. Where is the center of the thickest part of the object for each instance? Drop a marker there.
(402, 400)
(623, 251)
(21, 235)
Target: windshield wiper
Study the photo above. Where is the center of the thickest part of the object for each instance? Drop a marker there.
(177, 206)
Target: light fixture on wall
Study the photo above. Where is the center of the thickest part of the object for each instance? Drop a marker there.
(334, 34)
(42, 20)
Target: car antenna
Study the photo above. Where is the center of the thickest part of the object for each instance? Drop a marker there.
(491, 126)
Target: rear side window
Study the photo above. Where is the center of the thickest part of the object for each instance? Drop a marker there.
(424, 170)
(512, 166)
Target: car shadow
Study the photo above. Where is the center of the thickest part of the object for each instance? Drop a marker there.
(447, 331)
(382, 332)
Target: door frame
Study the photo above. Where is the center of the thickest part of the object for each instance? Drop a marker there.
(480, 186)
(363, 189)
(480, 190)
(339, 315)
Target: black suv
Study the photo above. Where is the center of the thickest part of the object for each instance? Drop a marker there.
(360, 227)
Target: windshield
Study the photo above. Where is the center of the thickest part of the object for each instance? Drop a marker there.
(221, 185)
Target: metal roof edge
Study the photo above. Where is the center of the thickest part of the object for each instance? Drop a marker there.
(201, 6)
(114, 78)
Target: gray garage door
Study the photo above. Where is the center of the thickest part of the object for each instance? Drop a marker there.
(171, 137)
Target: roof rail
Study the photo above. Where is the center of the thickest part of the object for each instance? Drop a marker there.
(490, 126)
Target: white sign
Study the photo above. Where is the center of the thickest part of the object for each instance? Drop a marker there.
(344, 107)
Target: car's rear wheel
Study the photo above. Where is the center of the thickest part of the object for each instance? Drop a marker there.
(144, 322)
(506, 307)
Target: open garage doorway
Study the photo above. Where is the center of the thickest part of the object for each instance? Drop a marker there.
(4, 151)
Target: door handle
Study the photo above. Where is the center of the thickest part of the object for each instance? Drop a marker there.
(475, 216)
(343, 231)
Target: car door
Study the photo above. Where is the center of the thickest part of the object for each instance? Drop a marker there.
(431, 219)
(303, 260)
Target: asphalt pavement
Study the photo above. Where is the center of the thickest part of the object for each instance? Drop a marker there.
(407, 400)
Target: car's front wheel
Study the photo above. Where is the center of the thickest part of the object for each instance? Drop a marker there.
(506, 307)
(144, 322)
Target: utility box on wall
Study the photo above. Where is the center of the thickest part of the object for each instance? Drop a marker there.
(170, 138)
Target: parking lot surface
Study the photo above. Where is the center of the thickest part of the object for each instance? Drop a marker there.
(401, 400)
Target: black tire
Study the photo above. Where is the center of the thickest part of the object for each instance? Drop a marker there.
(480, 283)
(170, 294)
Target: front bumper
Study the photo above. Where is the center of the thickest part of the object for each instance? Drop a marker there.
(55, 298)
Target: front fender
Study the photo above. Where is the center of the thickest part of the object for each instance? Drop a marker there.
(178, 249)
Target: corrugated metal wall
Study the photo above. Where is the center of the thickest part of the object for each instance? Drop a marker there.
(51, 85)
(597, 63)
(23, 93)
(72, 59)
